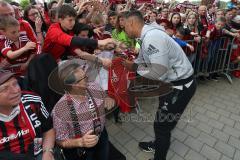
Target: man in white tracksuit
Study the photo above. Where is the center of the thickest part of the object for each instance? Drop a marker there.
(161, 58)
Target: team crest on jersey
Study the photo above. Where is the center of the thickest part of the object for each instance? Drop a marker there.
(114, 77)
(152, 50)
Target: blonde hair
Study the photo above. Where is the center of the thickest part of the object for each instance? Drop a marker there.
(196, 23)
(192, 13)
(8, 21)
(98, 19)
(220, 10)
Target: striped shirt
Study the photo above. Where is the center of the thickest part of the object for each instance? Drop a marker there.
(61, 114)
(32, 119)
(7, 45)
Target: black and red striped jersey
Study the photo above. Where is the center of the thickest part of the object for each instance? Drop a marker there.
(33, 120)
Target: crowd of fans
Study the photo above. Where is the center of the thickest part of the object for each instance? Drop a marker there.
(92, 31)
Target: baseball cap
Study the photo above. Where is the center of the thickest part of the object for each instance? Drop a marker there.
(5, 75)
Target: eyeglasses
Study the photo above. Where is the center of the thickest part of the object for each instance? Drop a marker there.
(72, 79)
(77, 81)
(33, 14)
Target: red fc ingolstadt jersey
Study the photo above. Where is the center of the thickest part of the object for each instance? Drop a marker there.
(6, 45)
(57, 41)
(33, 120)
(26, 28)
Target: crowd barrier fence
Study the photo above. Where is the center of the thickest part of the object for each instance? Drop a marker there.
(214, 56)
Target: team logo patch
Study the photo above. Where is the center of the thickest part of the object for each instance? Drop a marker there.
(114, 77)
(11, 137)
(152, 50)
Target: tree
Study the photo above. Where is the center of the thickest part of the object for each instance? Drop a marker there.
(24, 3)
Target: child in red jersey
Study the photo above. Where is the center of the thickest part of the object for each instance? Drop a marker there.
(213, 37)
(60, 37)
(7, 10)
(215, 31)
(16, 49)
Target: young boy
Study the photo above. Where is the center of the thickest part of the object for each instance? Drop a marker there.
(60, 37)
(112, 19)
(83, 31)
(15, 47)
(180, 33)
(86, 31)
(215, 31)
(8, 10)
(188, 49)
(220, 13)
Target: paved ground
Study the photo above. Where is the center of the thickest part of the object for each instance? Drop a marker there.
(212, 132)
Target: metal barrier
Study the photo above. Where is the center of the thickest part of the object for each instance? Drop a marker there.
(212, 57)
(233, 62)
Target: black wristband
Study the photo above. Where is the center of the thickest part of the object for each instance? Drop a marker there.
(86, 42)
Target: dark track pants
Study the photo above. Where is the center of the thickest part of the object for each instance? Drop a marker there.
(168, 114)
